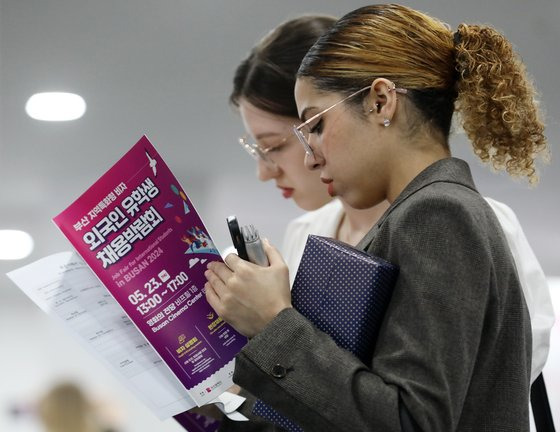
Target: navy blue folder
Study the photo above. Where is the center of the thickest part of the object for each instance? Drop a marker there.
(344, 292)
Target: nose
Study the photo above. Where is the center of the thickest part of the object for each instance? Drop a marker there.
(314, 161)
(266, 170)
(311, 162)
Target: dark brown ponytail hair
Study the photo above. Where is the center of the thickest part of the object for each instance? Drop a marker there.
(266, 78)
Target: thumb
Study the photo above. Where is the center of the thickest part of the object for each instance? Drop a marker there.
(274, 256)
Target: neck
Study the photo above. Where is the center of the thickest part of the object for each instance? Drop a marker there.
(420, 156)
(356, 223)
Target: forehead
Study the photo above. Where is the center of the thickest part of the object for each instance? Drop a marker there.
(308, 96)
(303, 92)
(258, 121)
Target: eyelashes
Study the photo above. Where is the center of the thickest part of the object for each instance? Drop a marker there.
(276, 148)
(317, 128)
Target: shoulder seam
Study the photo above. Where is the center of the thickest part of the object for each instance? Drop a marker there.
(382, 221)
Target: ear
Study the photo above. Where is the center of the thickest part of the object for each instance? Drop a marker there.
(382, 101)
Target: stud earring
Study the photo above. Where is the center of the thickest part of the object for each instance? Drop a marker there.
(376, 106)
(386, 122)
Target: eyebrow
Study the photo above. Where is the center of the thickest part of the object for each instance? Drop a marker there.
(267, 135)
(304, 113)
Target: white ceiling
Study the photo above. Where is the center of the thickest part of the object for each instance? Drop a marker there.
(164, 68)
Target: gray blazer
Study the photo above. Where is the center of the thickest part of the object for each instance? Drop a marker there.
(455, 344)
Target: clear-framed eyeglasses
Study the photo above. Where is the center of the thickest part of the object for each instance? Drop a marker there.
(306, 128)
(265, 154)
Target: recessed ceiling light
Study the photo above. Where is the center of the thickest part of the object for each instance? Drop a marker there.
(15, 244)
(55, 106)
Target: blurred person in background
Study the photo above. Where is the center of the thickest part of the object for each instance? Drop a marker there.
(65, 408)
(263, 92)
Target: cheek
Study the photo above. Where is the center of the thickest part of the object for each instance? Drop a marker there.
(304, 177)
(292, 162)
(341, 138)
(329, 146)
(338, 148)
(294, 168)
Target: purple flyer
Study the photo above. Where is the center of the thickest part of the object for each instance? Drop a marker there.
(140, 234)
(193, 422)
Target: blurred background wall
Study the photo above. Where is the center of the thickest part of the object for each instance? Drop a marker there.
(165, 69)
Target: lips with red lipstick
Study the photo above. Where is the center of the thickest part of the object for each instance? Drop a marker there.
(286, 192)
(330, 185)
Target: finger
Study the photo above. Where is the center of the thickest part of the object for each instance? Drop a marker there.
(233, 260)
(215, 282)
(274, 256)
(221, 270)
(212, 298)
(235, 389)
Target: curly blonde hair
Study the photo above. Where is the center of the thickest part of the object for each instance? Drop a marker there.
(497, 102)
(474, 71)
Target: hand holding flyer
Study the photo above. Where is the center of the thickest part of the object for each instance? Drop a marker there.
(139, 233)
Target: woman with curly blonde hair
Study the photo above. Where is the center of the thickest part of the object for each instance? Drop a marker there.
(376, 95)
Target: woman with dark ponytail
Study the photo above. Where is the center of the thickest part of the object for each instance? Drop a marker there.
(376, 95)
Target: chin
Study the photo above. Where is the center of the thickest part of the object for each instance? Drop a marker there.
(358, 206)
(310, 204)
(358, 202)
